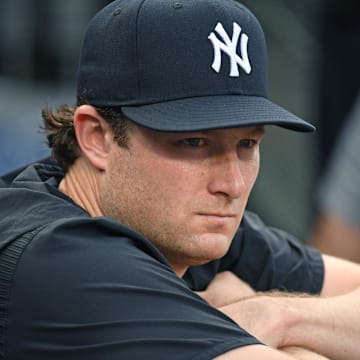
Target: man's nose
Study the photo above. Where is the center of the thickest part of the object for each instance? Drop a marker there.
(227, 176)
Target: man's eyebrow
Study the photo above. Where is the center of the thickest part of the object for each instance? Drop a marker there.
(258, 130)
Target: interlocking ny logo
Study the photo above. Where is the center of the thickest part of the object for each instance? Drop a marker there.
(229, 47)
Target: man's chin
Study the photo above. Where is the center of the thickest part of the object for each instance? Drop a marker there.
(211, 247)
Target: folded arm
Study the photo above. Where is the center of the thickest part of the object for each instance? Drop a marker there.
(327, 324)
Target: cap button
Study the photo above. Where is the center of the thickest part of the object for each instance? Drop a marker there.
(178, 5)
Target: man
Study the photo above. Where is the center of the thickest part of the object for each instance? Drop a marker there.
(103, 255)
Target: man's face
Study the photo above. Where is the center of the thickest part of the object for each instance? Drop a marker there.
(185, 192)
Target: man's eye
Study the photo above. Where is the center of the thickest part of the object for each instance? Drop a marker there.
(247, 143)
(194, 142)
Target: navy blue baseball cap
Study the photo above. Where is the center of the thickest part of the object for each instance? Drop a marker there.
(180, 65)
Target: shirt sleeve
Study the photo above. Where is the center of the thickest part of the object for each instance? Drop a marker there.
(83, 289)
(267, 258)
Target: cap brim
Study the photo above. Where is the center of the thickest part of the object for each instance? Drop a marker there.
(214, 112)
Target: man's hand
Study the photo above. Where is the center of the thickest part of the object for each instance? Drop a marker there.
(256, 314)
(226, 288)
(263, 316)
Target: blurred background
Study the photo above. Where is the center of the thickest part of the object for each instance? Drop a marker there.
(314, 54)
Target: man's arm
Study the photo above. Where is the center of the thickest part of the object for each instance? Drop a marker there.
(330, 325)
(341, 276)
(326, 325)
(225, 289)
(260, 352)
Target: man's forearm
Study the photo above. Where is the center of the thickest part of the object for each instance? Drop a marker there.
(302, 353)
(329, 326)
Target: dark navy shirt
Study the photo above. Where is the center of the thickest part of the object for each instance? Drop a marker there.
(91, 288)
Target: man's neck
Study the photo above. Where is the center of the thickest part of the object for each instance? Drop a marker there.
(80, 184)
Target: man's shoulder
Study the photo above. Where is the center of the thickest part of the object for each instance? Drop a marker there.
(109, 289)
(96, 235)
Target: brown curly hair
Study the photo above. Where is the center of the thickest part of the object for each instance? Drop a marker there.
(59, 127)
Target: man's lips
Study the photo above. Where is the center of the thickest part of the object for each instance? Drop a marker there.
(220, 215)
(220, 218)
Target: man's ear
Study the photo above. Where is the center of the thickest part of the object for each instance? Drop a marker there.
(93, 134)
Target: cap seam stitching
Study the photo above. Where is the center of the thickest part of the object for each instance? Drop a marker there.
(137, 48)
